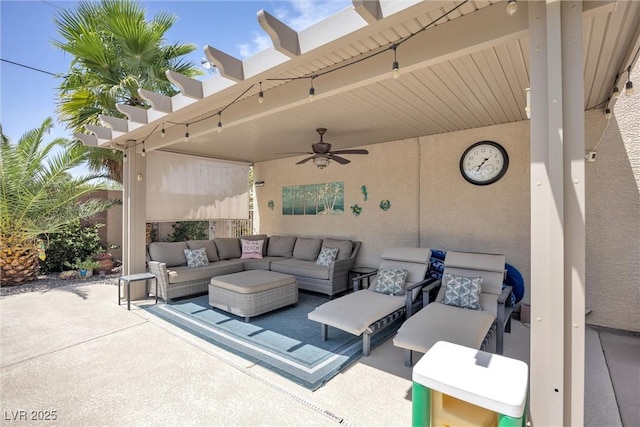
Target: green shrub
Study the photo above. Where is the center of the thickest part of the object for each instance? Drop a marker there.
(189, 230)
(75, 241)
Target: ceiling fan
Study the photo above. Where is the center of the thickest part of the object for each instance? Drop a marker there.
(321, 152)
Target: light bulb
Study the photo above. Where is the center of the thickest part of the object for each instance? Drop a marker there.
(628, 88)
(260, 97)
(219, 127)
(395, 70)
(163, 133)
(312, 93)
(512, 7)
(607, 113)
(186, 137)
(144, 152)
(124, 157)
(616, 92)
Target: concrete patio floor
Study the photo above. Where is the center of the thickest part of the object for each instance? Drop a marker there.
(74, 352)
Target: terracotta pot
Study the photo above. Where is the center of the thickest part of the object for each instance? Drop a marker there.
(106, 262)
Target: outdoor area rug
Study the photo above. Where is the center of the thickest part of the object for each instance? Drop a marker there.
(284, 340)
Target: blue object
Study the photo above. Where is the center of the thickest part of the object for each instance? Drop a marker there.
(513, 279)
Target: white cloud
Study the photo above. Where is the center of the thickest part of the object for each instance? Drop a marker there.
(297, 14)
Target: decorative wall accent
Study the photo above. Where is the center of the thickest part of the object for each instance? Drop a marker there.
(364, 192)
(270, 204)
(385, 205)
(356, 209)
(313, 199)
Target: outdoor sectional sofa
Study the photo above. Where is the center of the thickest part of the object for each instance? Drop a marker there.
(292, 255)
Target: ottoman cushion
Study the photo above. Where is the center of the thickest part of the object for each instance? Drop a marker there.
(252, 281)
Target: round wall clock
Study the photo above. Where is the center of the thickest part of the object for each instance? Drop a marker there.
(484, 163)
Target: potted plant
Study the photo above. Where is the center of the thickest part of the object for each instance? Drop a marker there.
(85, 267)
(104, 260)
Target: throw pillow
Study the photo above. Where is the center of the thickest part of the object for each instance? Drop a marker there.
(252, 248)
(391, 281)
(461, 291)
(196, 257)
(327, 257)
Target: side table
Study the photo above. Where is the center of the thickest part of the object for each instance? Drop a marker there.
(456, 385)
(357, 271)
(135, 278)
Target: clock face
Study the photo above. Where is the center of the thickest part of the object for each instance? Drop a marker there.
(484, 163)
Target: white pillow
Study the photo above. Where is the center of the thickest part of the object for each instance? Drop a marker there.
(252, 248)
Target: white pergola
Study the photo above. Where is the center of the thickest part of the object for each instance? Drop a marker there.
(463, 65)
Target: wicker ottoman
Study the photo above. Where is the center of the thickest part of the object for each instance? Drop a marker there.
(252, 292)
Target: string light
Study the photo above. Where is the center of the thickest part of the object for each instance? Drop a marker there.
(616, 93)
(124, 156)
(144, 152)
(395, 69)
(260, 95)
(163, 133)
(512, 7)
(219, 122)
(607, 113)
(186, 135)
(628, 88)
(312, 90)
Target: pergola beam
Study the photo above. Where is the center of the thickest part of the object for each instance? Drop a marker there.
(369, 10)
(283, 37)
(229, 66)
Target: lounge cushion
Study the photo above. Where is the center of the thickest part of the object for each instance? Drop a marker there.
(444, 324)
(250, 282)
(263, 263)
(307, 249)
(228, 247)
(297, 267)
(345, 247)
(209, 245)
(355, 312)
(171, 253)
(281, 246)
(196, 257)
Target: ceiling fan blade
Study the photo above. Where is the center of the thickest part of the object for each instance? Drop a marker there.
(339, 159)
(350, 152)
(296, 152)
(305, 160)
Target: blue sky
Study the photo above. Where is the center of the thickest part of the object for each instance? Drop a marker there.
(27, 28)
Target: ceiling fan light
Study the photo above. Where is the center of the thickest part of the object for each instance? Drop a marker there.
(321, 162)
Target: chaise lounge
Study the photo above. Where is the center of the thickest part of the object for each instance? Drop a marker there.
(391, 295)
(471, 303)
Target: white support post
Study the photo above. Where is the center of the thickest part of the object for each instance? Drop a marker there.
(557, 213)
(134, 219)
(574, 210)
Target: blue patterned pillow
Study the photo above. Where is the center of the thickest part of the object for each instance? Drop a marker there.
(391, 281)
(196, 257)
(327, 256)
(463, 292)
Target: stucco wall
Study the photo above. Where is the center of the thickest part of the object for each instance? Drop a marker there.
(433, 206)
(613, 217)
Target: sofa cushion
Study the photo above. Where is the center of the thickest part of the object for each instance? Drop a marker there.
(327, 256)
(307, 249)
(260, 264)
(228, 247)
(281, 246)
(171, 253)
(345, 247)
(298, 267)
(209, 245)
(196, 257)
(251, 248)
(262, 237)
(185, 274)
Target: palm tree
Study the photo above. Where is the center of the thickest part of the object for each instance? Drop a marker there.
(38, 196)
(115, 52)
